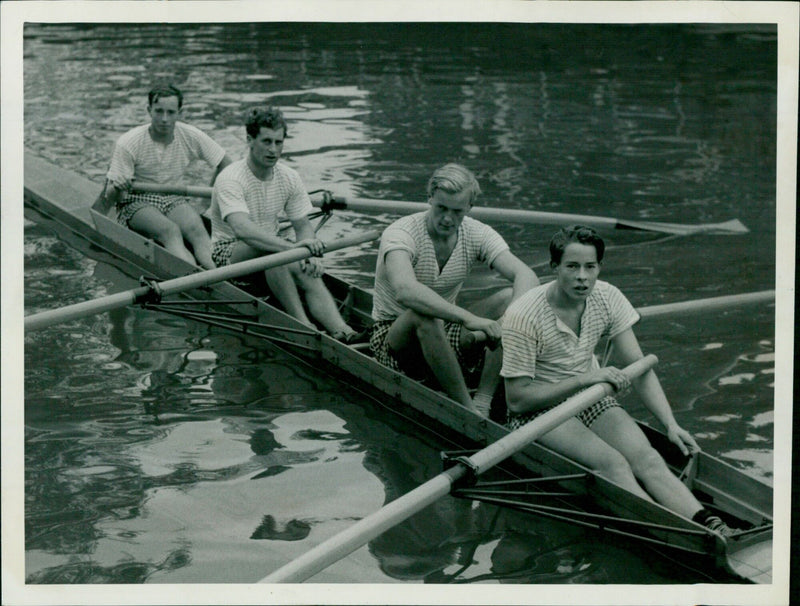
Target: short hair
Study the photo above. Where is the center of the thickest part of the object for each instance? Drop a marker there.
(575, 233)
(453, 179)
(264, 117)
(168, 90)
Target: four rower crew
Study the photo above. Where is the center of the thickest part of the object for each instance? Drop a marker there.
(549, 332)
(248, 197)
(549, 339)
(160, 152)
(423, 262)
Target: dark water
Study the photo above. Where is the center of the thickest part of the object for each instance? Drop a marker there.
(158, 450)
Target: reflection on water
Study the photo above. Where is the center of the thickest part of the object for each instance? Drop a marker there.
(159, 450)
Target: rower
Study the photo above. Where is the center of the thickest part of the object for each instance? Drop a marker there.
(423, 261)
(248, 198)
(549, 338)
(160, 152)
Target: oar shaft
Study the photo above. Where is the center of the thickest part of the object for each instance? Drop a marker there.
(243, 268)
(195, 280)
(50, 317)
(346, 542)
(483, 213)
(172, 190)
(707, 305)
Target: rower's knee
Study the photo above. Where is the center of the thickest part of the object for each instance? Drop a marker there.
(195, 232)
(426, 327)
(648, 464)
(614, 466)
(168, 232)
(306, 282)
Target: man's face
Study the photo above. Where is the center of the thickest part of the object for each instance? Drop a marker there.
(448, 211)
(164, 112)
(266, 148)
(577, 273)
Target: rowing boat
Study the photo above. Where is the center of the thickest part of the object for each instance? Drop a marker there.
(743, 501)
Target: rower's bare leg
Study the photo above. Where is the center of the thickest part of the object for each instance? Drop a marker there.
(412, 332)
(576, 441)
(617, 428)
(281, 282)
(490, 379)
(150, 222)
(492, 307)
(321, 303)
(194, 231)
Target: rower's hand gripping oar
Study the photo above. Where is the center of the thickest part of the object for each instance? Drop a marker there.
(483, 213)
(176, 285)
(360, 533)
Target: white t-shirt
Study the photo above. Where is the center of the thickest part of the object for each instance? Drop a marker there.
(537, 344)
(137, 156)
(237, 189)
(476, 242)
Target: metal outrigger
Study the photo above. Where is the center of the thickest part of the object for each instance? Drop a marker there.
(531, 495)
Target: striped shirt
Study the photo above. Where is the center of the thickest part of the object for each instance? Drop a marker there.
(137, 156)
(476, 242)
(537, 344)
(237, 189)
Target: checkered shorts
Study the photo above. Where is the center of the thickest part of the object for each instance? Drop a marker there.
(379, 344)
(221, 251)
(135, 202)
(587, 416)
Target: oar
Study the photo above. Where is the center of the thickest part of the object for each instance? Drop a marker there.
(176, 285)
(707, 305)
(534, 217)
(344, 543)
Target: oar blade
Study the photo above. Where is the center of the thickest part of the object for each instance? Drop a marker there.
(726, 228)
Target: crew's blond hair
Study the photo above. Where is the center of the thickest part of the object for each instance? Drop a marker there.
(454, 178)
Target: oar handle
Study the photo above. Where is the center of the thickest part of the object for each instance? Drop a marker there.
(204, 278)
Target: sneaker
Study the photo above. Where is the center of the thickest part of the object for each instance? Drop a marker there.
(715, 524)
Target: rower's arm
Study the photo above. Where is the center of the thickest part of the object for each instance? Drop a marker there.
(255, 236)
(414, 295)
(627, 350)
(222, 164)
(515, 271)
(523, 395)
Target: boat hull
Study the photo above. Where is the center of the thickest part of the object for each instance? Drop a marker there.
(67, 198)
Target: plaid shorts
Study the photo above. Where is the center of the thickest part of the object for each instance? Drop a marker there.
(379, 344)
(221, 251)
(586, 416)
(136, 202)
